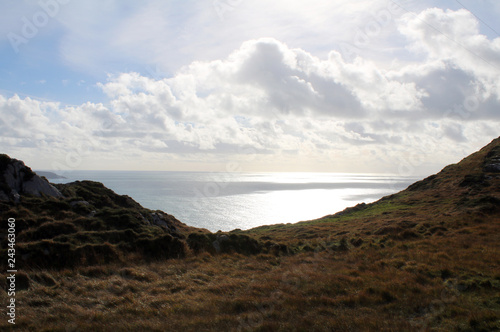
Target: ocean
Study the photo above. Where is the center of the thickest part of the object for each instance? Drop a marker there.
(227, 201)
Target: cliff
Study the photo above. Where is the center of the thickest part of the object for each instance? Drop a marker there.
(17, 179)
(84, 223)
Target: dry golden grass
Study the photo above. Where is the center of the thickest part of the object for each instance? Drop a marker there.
(426, 259)
(435, 282)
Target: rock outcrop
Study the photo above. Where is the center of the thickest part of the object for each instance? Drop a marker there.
(492, 161)
(16, 179)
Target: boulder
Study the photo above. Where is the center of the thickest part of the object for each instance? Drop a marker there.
(492, 161)
(158, 220)
(17, 179)
(493, 167)
(38, 186)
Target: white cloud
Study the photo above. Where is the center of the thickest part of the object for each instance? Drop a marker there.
(454, 36)
(103, 36)
(286, 104)
(25, 118)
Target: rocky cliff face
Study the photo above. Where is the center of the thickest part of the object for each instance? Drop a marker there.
(17, 179)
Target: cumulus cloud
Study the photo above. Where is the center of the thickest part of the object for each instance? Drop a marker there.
(26, 118)
(275, 100)
(453, 37)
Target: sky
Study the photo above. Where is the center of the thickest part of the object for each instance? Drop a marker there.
(374, 86)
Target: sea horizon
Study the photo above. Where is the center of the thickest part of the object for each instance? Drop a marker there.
(396, 174)
(243, 200)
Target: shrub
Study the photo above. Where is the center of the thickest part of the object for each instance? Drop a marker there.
(45, 254)
(95, 254)
(242, 244)
(119, 218)
(51, 254)
(199, 242)
(474, 180)
(161, 247)
(357, 242)
(408, 234)
(487, 204)
(225, 243)
(388, 230)
(49, 230)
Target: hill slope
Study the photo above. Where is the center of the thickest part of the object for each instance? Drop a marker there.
(85, 223)
(427, 258)
(465, 192)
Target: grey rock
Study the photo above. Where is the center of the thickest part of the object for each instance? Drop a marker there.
(16, 196)
(79, 203)
(493, 167)
(216, 245)
(222, 238)
(38, 186)
(158, 220)
(144, 220)
(21, 180)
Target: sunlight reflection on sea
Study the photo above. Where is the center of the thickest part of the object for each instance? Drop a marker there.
(226, 201)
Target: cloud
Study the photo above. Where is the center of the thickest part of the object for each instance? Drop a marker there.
(454, 131)
(287, 106)
(108, 36)
(453, 37)
(28, 118)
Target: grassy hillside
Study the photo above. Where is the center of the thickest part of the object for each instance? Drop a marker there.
(427, 258)
(460, 193)
(92, 225)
